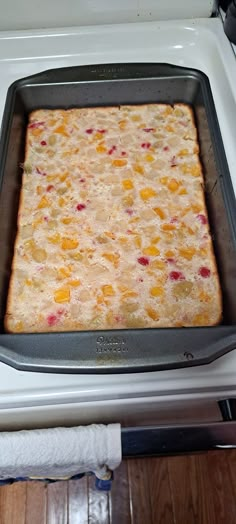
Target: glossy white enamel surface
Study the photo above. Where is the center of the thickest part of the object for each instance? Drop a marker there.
(200, 44)
(31, 14)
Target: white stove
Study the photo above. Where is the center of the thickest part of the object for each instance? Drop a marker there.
(39, 399)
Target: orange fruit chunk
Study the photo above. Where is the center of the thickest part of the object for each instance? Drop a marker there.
(63, 177)
(129, 293)
(62, 295)
(98, 136)
(156, 291)
(122, 124)
(173, 185)
(168, 227)
(66, 220)
(55, 239)
(64, 272)
(168, 111)
(154, 240)
(158, 264)
(136, 118)
(101, 149)
(127, 184)
(19, 326)
(204, 297)
(44, 202)
(39, 190)
(196, 170)
(108, 290)
(61, 202)
(159, 212)
(61, 130)
(169, 253)
(69, 243)
(138, 169)
(187, 252)
(183, 191)
(201, 319)
(36, 131)
(147, 192)
(112, 257)
(183, 152)
(119, 162)
(152, 313)
(196, 208)
(149, 158)
(164, 180)
(74, 283)
(138, 241)
(151, 251)
(169, 129)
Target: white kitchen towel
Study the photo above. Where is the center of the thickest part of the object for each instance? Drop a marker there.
(60, 452)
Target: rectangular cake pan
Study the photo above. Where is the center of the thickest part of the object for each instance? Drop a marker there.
(119, 350)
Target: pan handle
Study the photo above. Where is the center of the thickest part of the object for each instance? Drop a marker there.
(120, 351)
(86, 73)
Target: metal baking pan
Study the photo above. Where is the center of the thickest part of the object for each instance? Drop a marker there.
(119, 350)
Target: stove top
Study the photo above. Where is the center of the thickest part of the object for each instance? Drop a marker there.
(197, 43)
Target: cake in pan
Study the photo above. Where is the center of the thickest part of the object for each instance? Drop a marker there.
(113, 229)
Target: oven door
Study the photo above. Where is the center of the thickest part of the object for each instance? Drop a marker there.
(183, 438)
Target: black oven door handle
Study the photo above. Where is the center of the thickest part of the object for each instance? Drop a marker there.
(176, 439)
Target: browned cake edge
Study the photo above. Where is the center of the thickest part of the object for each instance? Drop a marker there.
(9, 305)
(213, 257)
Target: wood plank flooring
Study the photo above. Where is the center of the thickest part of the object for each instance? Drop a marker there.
(193, 489)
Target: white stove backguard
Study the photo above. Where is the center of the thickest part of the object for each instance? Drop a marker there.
(32, 14)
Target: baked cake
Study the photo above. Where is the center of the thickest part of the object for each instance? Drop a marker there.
(112, 226)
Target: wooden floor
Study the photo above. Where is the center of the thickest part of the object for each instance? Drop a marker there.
(196, 489)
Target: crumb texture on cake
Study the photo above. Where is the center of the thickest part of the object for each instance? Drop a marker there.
(113, 229)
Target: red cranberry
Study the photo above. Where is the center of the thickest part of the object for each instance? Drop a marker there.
(89, 131)
(144, 261)
(118, 318)
(145, 145)
(80, 207)
(204, 272)
(40, 172)
(148, 129)
(202, 219)
(113, 148)
(52, 320)
(176, 275)
(43, 143)
(34, 125)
